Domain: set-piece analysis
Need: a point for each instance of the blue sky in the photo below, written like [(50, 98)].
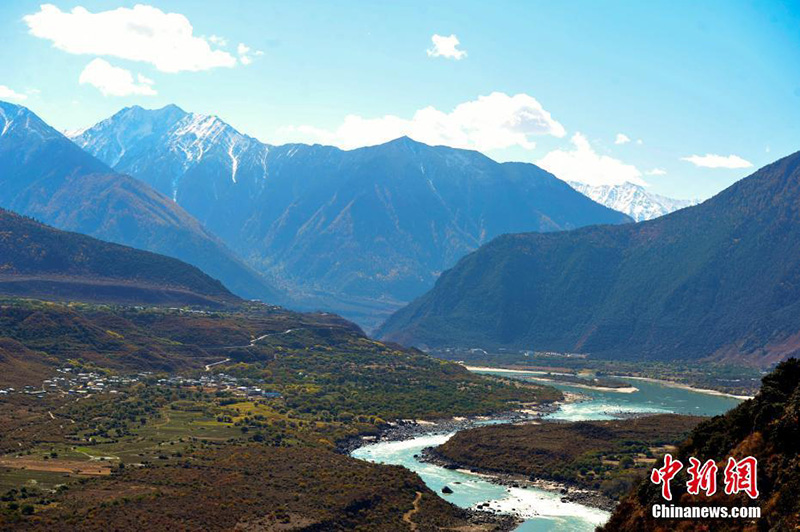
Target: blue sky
[(553, 83)]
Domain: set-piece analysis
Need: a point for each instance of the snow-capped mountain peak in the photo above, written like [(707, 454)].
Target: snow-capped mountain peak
[(144, 142), (194, 134), (633, 200), (20, 120)]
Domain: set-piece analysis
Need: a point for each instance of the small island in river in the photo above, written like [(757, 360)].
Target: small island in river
[(592, 462)]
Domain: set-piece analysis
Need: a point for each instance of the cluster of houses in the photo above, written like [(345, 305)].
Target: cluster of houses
[(454, 352), (75, 381), (80, 382), (219, 381), (554, 354)]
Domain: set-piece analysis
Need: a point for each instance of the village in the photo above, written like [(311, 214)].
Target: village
[(80, 382)]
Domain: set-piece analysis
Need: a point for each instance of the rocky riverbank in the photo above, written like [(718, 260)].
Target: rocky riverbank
[(499, 522), (568, 493), (406, 429), (400, 430), (483, 515)]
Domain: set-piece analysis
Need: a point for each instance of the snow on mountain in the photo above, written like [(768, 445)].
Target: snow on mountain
[(357, 231), (46, 176), (19, 120), (633, 200), (145, 143), (7, 121), (203, 164)]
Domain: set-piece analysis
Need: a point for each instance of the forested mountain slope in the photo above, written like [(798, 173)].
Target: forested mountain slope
[(719, 280)]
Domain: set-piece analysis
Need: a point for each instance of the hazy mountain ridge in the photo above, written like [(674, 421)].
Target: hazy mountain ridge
[(46, 176), (720, 279), (364, 230), (633, 200)]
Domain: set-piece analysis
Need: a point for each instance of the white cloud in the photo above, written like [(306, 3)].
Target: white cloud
[(490, 122), (219, 41), (656, 171), (6, 93), (144, 80), (584, 165), (622, 138), (142, 33), (446, 47), (115, 81), (711, 160), (244, 53)]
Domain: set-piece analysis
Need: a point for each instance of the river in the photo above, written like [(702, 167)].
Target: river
[(543, 510)]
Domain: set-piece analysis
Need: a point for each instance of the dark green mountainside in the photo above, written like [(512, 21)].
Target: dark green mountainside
[(719, 280), (37, 260)]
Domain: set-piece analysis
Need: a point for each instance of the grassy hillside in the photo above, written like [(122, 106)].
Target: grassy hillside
[(320, 364), (252, 488), (204, 420)]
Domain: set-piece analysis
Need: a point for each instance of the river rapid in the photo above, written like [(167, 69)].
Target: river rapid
[(543, 510)]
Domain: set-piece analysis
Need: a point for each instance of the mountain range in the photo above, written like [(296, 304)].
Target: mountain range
[(198, 161), (359, 232), (718, 281), (634, 200), (46, 176)]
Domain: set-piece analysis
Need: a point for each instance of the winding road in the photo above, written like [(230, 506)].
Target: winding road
[(409, 514), (254, 341)]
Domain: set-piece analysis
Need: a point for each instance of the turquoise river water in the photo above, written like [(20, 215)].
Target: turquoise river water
[(543, 510)]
